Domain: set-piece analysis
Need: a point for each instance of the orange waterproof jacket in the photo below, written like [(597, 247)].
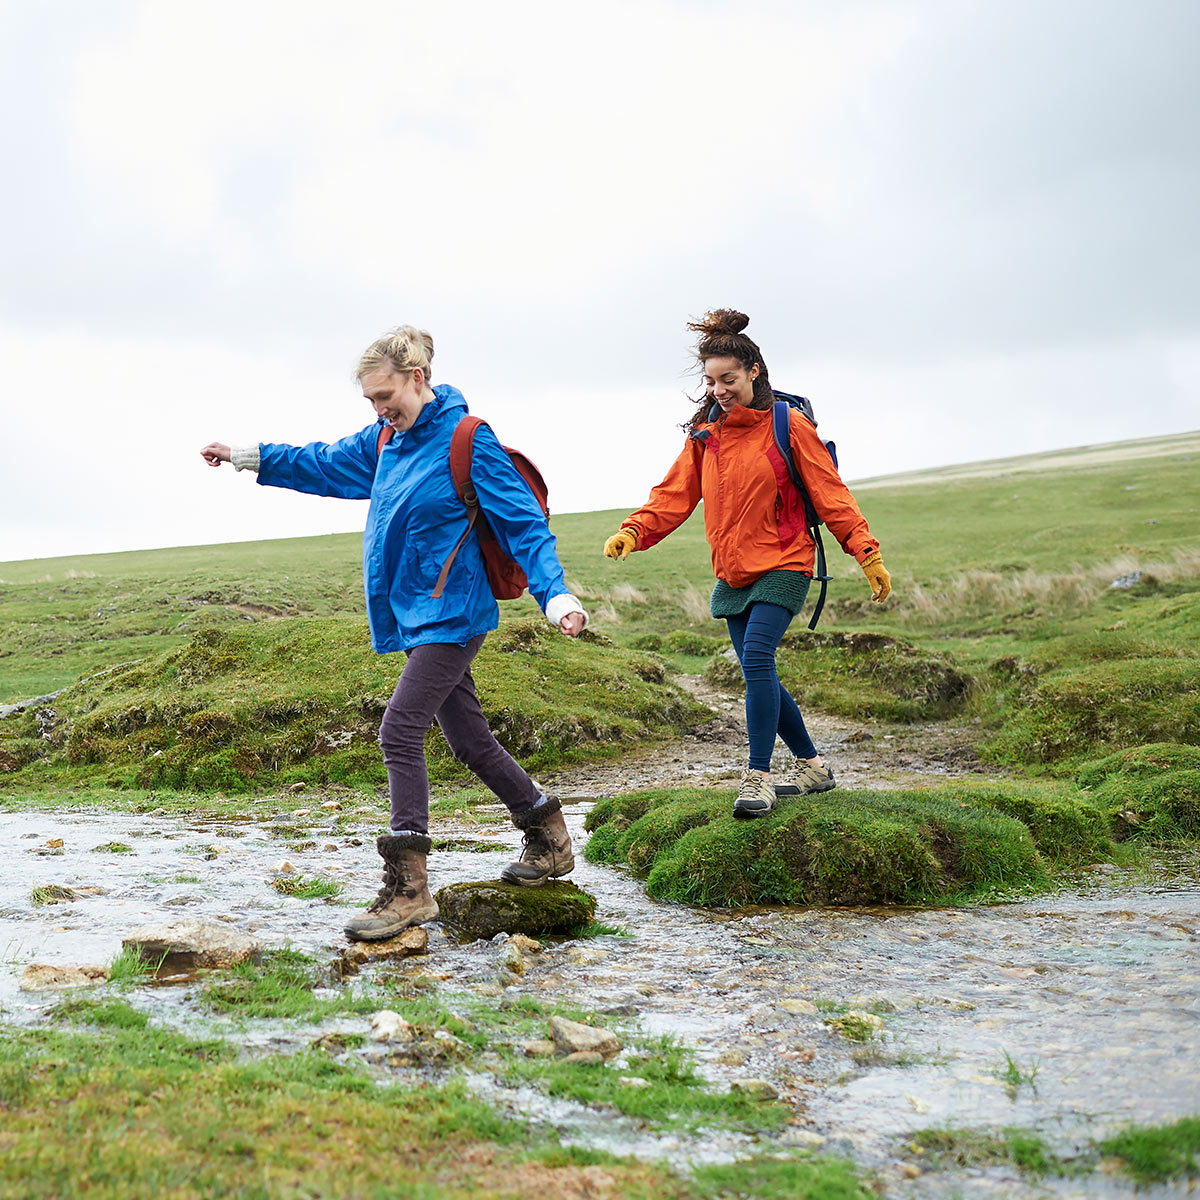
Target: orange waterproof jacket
[(753, 516)]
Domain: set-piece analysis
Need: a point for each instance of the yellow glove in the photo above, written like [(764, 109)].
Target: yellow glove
[(877, 576), (620, 544)]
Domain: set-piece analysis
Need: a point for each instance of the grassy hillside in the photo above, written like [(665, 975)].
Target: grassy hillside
[(1002, 609)]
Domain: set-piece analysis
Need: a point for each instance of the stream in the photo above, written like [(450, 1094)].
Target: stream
[(1091, 996)]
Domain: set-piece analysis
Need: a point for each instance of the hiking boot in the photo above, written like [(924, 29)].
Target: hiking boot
[(404, 899), (547, 852), (756, 797), (806, 779)]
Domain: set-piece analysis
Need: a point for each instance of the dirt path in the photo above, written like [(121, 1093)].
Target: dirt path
[(861, 753)]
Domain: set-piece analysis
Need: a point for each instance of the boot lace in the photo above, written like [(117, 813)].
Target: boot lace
[(395, 879)]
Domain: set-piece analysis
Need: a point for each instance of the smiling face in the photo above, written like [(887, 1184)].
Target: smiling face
[(398, 396), (728, 382)]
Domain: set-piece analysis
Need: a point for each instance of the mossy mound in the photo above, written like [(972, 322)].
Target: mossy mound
[(482, 910), (270, 704), (1071, 714), (1149, 761), (906, 847), (860, 675), (1150, 793)]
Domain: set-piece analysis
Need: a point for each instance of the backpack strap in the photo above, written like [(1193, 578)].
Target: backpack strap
[(462, 447), (781, 428)]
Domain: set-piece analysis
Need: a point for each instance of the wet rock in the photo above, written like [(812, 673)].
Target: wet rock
[(511, 959), (570, 1037), (525, 944), (756, 1089), (389, 1026), (352, 959), (43, 976), (803, 1008), (482, 910), (187, 945)]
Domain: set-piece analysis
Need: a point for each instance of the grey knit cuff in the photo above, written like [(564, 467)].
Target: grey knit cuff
[(244, 458)]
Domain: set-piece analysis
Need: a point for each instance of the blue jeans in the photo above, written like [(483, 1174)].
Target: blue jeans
[(770, 708)]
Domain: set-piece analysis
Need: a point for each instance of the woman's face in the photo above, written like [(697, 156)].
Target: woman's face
[(398, 396), (728, 382)]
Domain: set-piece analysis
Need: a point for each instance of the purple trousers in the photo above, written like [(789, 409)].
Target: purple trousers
[(436, 684)]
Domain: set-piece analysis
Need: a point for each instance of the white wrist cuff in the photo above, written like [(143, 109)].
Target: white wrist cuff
[(244, 458), (563, 605)]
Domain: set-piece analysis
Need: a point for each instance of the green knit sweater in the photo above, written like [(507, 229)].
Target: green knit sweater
[(788, 589)]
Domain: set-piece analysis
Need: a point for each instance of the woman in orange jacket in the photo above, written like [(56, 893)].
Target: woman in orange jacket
[(762, 553)]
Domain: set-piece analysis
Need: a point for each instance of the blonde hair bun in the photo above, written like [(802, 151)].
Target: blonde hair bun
[(402, 349)]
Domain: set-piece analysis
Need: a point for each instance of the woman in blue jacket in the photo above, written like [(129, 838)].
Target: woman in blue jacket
[(414, 521)]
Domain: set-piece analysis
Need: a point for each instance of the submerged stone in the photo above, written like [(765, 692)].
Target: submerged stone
[(189, 945), (482, 910), (44, 976), (352, 959), (572, 1038), (756, 1089)]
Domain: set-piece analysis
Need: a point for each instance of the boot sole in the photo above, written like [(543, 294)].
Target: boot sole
[(418, 918), (747, 814), (791, 789), (505, 877)]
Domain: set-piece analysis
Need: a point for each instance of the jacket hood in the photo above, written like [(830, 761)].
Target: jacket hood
[(446, 399)]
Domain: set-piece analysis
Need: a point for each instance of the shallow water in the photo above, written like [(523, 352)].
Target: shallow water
[(1095, 993)]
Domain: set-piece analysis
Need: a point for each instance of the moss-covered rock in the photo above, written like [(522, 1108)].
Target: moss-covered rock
[(909, 847), (482, 910)]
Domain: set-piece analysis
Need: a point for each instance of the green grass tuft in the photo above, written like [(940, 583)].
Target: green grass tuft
[(300, 888), (1156, 1154)]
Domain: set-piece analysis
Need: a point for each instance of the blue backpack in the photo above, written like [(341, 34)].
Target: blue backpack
[(781, 428)]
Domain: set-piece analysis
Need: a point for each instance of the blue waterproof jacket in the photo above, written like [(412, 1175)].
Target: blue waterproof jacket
[(416, 517)]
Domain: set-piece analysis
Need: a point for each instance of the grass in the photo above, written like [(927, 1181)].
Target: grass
[(955, 843), (300, 888), (1014, 1076), (948, 1147), (1149, 1154), (674, 1096), (299, 703), (282, 985), (142, 1113), (794, 1178), (129, 967), (1157, 1154)]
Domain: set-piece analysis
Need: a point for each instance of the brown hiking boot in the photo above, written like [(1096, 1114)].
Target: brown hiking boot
[(404, 899), (547, 851)]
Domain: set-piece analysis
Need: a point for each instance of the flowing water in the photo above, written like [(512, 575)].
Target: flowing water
[(1074, 1014)]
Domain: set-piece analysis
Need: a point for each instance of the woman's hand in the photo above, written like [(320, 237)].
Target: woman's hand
[(877, 576), (620, 544), (215, 453), (572, 624)]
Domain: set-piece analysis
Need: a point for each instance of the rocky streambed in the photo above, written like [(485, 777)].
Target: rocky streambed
[(1073, 1015)]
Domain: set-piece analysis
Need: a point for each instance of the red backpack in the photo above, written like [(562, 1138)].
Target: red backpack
[(507, 579)]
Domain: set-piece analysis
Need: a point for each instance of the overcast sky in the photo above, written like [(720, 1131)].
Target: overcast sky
[(965, 230)]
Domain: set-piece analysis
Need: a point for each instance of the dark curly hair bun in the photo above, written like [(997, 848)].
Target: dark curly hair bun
[(720, 320)]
